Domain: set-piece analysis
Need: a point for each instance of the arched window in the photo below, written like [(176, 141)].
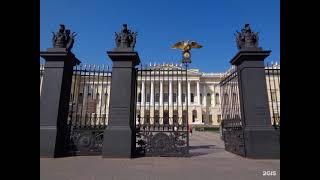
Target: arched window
[(226, 98), (194, 115), (217, 98), (208, 99)]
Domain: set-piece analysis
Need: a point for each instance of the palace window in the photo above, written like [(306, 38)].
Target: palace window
[(174, 97), (165, 97), (208, 99), (200, 98), (192, 97), (157, 97), (194, 115), (139, 97), (219, 118), (217, 98), (148, 98), (183, 98)]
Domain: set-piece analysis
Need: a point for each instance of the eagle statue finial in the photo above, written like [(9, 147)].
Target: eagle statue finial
[(186, 46)]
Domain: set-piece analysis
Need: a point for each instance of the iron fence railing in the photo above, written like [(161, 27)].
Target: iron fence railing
[(230, 104), (273, 88), (161, 112), (88, 109)]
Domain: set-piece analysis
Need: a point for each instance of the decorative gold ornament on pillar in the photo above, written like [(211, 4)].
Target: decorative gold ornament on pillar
[(186, 46)]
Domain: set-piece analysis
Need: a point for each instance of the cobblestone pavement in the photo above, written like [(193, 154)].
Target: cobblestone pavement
[(209, 161)]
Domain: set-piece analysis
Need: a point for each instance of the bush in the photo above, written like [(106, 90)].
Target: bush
[(206, 128)]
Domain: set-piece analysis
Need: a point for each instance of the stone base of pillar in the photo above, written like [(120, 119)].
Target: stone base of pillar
[(262, 143), (48, 134), (120, 143)]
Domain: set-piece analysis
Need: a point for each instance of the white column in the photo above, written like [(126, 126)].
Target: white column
[(198, 92), (161, 93), (189, 94), (179, 102), (151, 94), (204, 95), (142, 93), (179, 93), (170, 93)]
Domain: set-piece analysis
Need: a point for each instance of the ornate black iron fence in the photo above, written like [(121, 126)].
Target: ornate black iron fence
[(88, 112), (161, 113), (232, 129), (273, 87)]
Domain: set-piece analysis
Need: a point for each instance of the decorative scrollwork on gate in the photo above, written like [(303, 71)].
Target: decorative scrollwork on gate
[(152, 143), (87, 141)]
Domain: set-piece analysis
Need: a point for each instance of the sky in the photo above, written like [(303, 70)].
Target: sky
[(160, 24)]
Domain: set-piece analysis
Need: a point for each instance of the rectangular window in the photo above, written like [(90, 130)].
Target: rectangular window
[(174, 98), (219, 118), (148, 98), (192, 97), (157, 97), (165, 97), (183, 98)]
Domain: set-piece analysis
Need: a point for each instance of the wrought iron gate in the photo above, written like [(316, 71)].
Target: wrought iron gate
[(232, 129), (161, 125), (88, 109)]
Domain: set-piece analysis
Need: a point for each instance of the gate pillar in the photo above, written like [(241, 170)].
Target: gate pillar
[(261, 140), (119, 139), (54, 100)]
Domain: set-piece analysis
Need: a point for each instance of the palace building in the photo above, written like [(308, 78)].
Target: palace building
[(162, 96)]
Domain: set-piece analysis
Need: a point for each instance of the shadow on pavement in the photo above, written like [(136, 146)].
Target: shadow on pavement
[(204, 150)]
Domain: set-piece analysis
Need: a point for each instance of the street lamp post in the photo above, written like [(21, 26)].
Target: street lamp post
[(186, 46)]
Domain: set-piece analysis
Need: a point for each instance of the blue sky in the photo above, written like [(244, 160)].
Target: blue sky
[(160, 24)]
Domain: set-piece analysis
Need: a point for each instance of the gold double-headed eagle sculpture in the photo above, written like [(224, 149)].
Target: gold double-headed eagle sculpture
[(186, 46)]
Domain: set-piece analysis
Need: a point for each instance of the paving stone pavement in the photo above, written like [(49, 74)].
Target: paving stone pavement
[(209, 161)]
